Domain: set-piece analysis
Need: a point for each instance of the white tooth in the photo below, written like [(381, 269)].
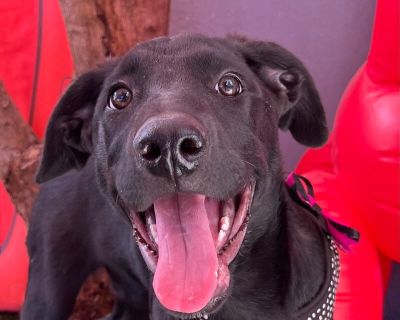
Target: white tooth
[(225, 223), (205, 316), (221, 235)]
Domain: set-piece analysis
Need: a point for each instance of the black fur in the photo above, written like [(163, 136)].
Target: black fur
[(89, 168)]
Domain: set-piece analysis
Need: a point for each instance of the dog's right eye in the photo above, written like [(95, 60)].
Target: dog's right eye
[(120, 98)]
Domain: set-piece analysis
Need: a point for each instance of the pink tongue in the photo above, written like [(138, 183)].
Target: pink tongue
[(185, 279)]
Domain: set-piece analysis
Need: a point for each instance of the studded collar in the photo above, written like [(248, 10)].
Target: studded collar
[(337, 235), (322, 306)]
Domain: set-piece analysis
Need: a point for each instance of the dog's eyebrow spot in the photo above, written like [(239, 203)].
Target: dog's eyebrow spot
[(128, 65)]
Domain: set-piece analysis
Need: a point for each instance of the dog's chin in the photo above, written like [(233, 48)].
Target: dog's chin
[(188, 241)]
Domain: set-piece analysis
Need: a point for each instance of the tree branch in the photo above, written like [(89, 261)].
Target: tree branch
[(19, 154)]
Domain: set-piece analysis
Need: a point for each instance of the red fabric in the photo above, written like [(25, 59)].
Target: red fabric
[(356, 175), (18, 29), (33, 45), (13, 260), (56, 65)]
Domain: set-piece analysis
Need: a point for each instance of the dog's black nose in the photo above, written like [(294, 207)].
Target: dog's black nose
[(170, 145)]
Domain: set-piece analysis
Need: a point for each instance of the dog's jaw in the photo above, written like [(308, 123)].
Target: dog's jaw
[(224, 228)]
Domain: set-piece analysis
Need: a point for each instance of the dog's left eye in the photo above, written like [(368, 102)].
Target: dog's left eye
[(120, 98), (229, 85)]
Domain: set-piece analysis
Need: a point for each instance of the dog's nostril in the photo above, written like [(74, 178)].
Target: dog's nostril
[(190, 146), (150, 152)]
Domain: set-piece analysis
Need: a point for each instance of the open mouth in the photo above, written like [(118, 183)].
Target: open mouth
[(188, 241)]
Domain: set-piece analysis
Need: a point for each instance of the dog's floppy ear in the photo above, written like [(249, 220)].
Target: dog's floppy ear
[(301, 110), (68, 140)]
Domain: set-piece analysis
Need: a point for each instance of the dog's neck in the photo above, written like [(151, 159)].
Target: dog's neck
[(307, 256), (295, 251)]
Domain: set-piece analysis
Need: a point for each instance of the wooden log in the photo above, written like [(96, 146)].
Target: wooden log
[(19, 155)]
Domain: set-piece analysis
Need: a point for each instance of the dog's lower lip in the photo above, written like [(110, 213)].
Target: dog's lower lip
[(213, 305)]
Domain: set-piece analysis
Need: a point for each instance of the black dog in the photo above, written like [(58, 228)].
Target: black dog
[(176, 145)]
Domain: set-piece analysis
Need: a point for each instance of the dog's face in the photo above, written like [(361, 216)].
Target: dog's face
[(184, 131)]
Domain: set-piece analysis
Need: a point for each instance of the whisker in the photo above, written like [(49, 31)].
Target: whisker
[(249, 163)]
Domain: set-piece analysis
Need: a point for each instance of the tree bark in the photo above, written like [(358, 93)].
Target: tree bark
[(98, 29), (19, 155)]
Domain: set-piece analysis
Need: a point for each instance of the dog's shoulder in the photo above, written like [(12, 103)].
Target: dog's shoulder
[(65, 203), (71, 188)]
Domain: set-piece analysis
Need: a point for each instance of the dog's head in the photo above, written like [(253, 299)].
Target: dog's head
[(184, 132)]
